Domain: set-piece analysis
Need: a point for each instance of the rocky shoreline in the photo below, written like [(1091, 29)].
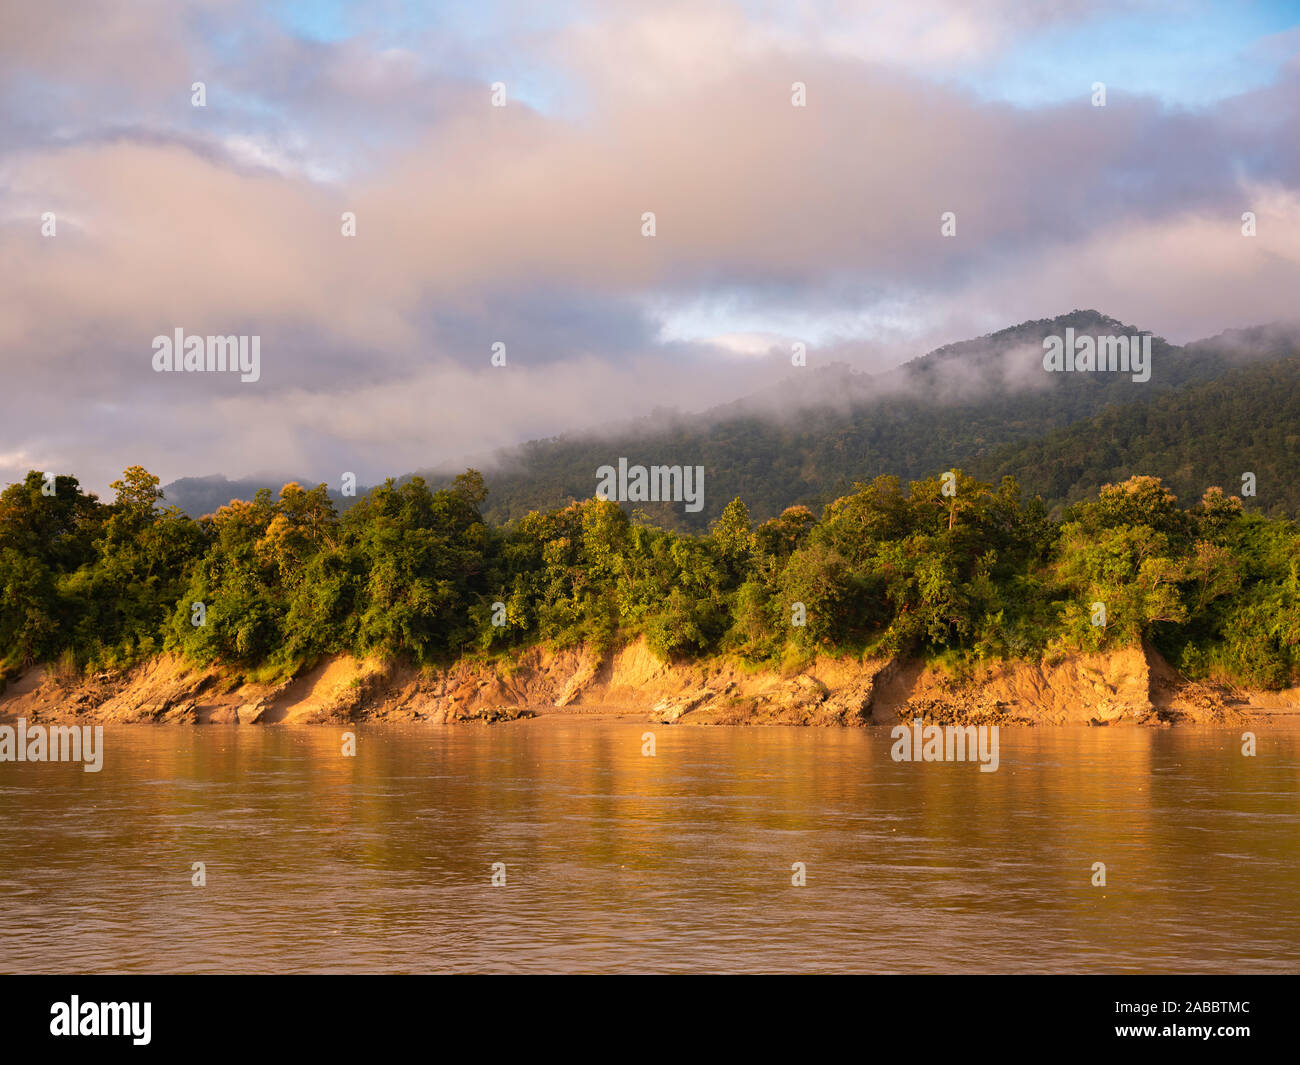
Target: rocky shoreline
[(1129, 687)]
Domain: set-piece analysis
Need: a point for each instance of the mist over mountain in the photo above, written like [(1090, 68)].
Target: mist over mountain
[(951, 408), (970, 404)]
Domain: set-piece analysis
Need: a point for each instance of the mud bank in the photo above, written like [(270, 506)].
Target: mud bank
[(1130, 687)]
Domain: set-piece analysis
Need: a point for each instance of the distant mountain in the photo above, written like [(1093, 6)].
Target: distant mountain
[(985, 405), (810, 441), (1247, 421)]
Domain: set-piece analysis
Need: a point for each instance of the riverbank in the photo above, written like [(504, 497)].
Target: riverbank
[(1134, 686)]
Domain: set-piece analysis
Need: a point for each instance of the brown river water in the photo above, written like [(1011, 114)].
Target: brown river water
[(680, 862)]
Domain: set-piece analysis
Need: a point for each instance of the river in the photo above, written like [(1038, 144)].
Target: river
[(677, 862)]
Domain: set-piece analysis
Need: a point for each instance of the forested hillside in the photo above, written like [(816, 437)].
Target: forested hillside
[(985, 405), (1247, 421), (958, 406)]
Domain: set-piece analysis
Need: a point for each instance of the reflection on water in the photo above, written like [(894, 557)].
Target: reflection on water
[(678, 862)]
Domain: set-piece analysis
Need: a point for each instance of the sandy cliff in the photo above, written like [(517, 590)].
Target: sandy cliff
[(1133, 686)]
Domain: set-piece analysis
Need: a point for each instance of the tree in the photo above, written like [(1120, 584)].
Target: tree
[(731, 536), (138, 491)]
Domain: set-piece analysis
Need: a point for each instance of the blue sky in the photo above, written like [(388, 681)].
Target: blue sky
[(1197, 53), (391, 22), (1187, 53)]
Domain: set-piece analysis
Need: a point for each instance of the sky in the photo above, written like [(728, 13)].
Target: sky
[(522, 225)]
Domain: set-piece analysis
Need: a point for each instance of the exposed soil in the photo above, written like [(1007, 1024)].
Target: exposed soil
[(1130, 687)]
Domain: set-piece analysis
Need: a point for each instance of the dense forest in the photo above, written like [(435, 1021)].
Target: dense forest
[(945, 566), (1245, 422), (972, 405)]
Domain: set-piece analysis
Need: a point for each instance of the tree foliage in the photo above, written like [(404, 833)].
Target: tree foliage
[(946, 564)]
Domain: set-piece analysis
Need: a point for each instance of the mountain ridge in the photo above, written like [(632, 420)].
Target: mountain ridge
[(809, 441)]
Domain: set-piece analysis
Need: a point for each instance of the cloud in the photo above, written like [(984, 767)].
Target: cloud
[(477, 224)]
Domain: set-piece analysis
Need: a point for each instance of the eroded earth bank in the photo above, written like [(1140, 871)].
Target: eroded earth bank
[(1134, 686)]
